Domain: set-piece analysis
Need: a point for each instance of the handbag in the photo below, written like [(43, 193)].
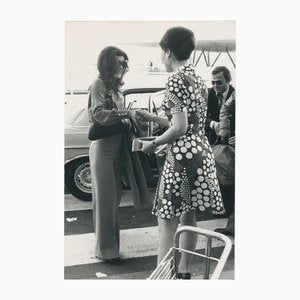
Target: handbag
[(225, 163), (139, 127), (98, 131)]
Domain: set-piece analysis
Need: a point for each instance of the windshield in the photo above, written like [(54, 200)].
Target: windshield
[(82, 118), (79, 118), (74, 105)]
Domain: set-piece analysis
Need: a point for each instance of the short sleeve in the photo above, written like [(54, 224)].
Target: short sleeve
[(176, 95)]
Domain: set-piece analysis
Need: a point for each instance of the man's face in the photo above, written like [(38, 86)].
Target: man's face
[(219, 83)]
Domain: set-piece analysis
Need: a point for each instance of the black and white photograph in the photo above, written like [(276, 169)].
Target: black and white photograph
[(128, 169), (149, 150)]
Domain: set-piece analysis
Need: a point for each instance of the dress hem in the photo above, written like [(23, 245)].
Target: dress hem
[(157, 214)]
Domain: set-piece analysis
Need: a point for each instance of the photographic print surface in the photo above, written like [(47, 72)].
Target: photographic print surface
[(143, 88)]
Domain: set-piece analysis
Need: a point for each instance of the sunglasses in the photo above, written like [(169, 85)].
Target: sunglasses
[(124, 64), (217, 82)]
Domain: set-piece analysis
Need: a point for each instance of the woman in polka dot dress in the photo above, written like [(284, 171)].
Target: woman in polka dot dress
[(188, 180)]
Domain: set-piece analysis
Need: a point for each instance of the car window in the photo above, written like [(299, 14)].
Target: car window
[(140, 100), (156, 101)]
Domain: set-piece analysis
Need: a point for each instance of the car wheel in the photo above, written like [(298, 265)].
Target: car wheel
[(78, 178)]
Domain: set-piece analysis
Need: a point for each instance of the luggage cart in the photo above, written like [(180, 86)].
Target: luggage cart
[(168, 267)]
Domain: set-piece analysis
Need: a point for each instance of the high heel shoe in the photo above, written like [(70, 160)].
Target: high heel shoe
[(183, 276)]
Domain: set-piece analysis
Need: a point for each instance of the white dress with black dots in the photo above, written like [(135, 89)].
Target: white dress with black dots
[(188, 179)]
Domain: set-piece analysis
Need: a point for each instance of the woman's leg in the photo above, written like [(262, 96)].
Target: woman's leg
[(106, 183), (188, 241), (167, 229)]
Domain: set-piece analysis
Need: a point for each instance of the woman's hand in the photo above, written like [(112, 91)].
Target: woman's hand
[(144, 115), (132, 113), (147, 146)]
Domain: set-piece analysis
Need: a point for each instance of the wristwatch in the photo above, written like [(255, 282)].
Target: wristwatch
[(154, 143)]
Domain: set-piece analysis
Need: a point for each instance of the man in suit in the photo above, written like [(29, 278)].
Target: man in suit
[(217, 95)]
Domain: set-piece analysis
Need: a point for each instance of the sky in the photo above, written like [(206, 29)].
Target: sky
[(84, 41)]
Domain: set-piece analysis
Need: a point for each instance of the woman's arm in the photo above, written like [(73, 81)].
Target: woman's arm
[(176, 130), (143, 114), (176, 103), (99, 109), (163, 121)]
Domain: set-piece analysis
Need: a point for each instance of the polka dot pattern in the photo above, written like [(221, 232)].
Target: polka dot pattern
[(188, 179)]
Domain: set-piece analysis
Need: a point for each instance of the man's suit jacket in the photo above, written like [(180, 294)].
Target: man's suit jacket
[(213, 112)]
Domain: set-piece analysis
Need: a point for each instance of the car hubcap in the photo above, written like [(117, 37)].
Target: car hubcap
[(82, 178)]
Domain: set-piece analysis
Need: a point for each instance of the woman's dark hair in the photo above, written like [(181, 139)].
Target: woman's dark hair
[(180, 40), (225, 71), (108, 66)]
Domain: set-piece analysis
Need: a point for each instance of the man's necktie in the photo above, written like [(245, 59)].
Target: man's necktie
[(220, 98)]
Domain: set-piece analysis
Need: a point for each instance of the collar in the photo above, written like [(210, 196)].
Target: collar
[(187, 67)]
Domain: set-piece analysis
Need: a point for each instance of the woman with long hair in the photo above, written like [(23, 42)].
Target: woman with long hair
[(188, 181), (106, 106)]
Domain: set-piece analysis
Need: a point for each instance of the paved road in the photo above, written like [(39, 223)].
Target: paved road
[(138, 246)]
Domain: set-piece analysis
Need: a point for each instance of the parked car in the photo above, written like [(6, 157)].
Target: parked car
[(77, 167)]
